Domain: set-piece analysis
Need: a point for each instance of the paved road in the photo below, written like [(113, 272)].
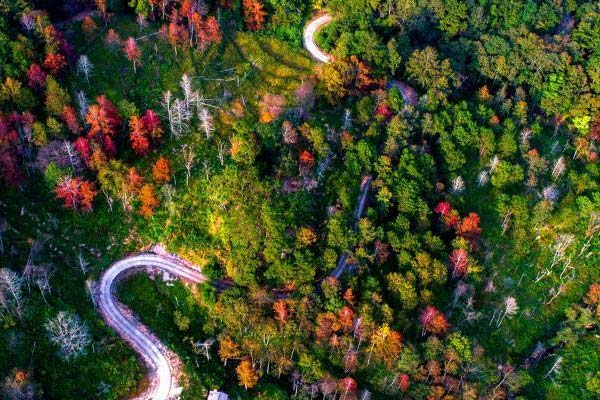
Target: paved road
[(163, 384), (408, 93), (309, 38)]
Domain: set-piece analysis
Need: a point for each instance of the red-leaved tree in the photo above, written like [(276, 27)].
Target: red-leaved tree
[(469, 227), (36, 77), (76, 193), (82, 145), (161, 171), (10, 151), (433, 321), (207, 31), (280, 309), (132, 52), (255, 14), (138, 136), (459, 262), (104, 121), (69, 116), (54, 63), (152, 124)]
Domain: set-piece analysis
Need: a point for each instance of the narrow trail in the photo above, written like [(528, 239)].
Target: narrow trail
[(342, 263)]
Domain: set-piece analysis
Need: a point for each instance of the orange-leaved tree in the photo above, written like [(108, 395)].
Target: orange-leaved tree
[(247, 375), (148, 199), (161, 171), (228, 349), (255, 14)]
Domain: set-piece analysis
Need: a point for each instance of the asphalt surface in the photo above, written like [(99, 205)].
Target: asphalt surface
[(309, 38), (163, 385)]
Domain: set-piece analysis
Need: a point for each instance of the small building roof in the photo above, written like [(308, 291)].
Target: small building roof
[(216, 395)]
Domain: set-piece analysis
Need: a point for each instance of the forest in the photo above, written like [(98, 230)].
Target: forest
[(190, 197)]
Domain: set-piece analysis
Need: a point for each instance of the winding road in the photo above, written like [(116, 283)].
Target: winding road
[(161, 363), (408, 93), (309, 38), (163, 384)]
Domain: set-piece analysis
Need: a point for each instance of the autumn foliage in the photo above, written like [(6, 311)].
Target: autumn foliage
[(132, 52), (104, 121), (459, 262), (433, 321), (247, 375), (10, 152), (255, 14), (36, 77), (148, 200), (207, 30), (54, 63), (69, 117), (306, 236), (280, 309), (144, 130), (161, 171), (469, 227), (88, 25), (271, 107), (76, 193), (228, 349)]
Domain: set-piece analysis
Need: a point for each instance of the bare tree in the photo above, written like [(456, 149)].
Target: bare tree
[(18, 386), (494, 163), (72, 155), (290, 135), (204, 347), (189, 156), (90, 287), (141, 21), (28, 22), (559, 168), (181, 116), (510, 308), (11, 294), (83, 104), (554, 369), (206, 122), (3, 228), (84, 67), (592, 230), (62, 153), (347, 122), (38, 275), (221, 152), (525, 135), (69, 333), (188, 91), (82, 264), (458, 185), (206, 167), (550, 194), (167, 105), (483, 178)]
